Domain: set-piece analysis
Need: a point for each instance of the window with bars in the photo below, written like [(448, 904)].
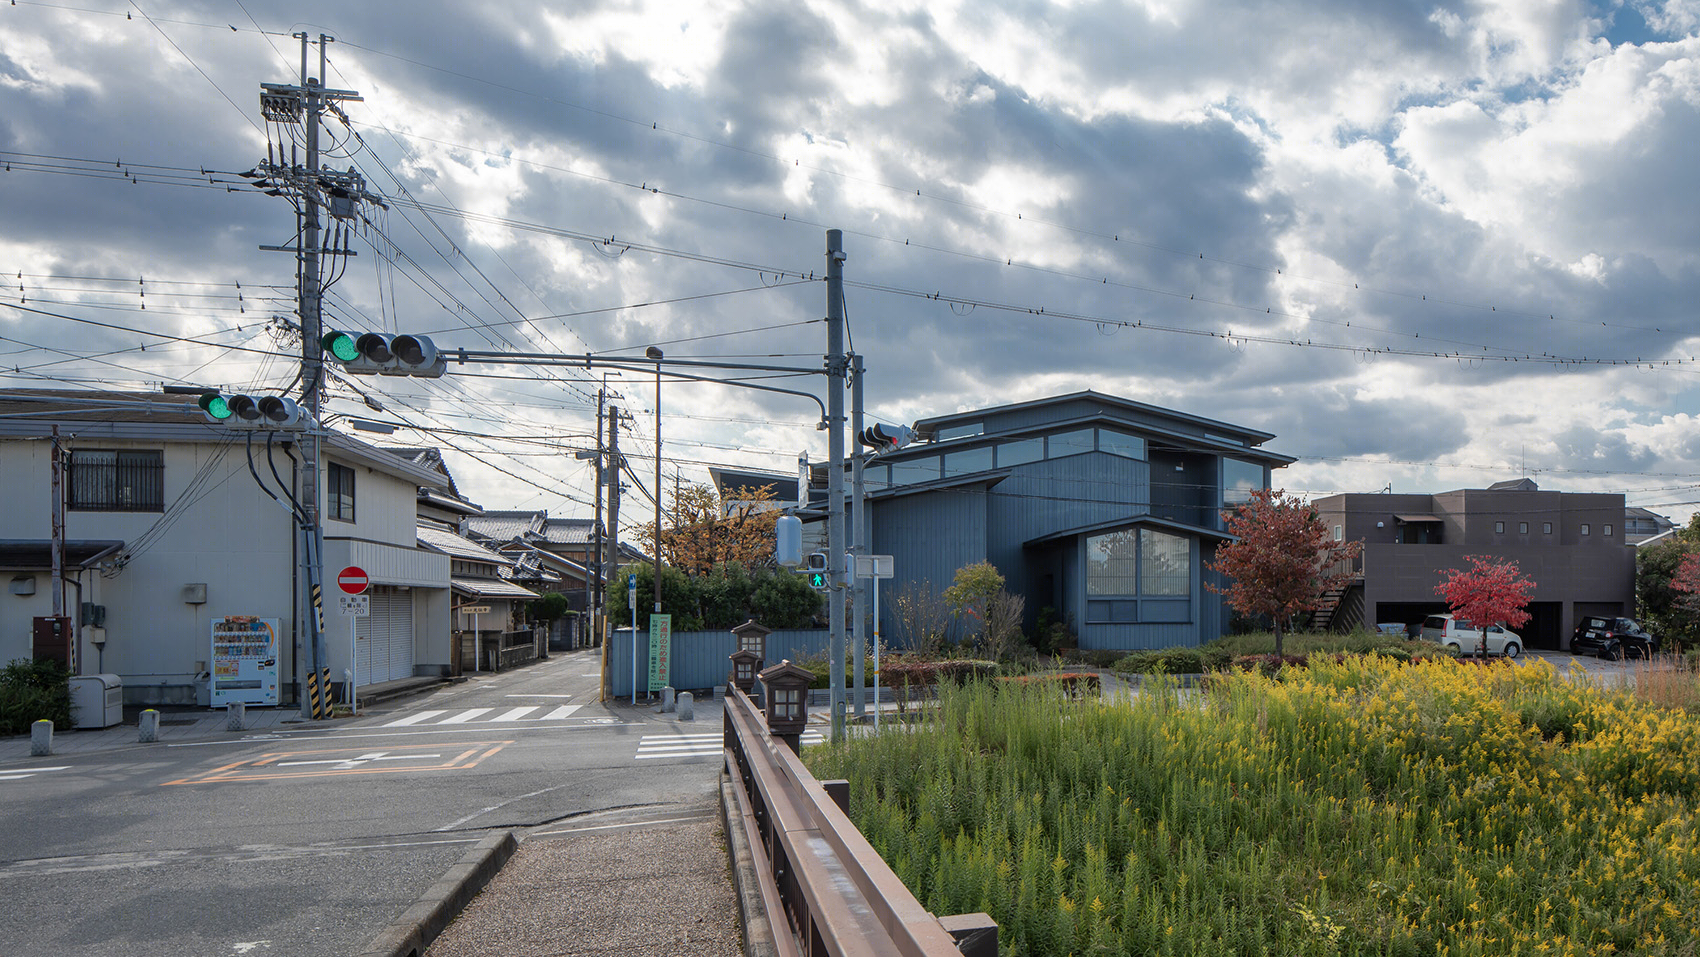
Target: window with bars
[(115, 481), (339, 492)]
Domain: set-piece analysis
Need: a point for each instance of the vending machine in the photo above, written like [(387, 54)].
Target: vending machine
[(244, 660)]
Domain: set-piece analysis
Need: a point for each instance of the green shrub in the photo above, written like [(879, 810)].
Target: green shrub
[(32, 691), (1174, 661), (1270, 665)]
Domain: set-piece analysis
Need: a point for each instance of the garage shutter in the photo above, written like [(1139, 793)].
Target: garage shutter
[(386, 637)]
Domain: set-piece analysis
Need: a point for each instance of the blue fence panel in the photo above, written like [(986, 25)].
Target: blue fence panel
[(702, 659)]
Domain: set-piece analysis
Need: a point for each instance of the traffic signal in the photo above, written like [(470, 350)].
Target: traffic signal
[(887, 438), (264, 412), (378, 353), (816, 570)]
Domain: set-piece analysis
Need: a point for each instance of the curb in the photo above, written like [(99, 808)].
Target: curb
[(437, 907), (752, 915)]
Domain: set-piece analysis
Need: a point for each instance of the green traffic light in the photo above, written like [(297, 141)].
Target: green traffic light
[(340, 345), (216, 406), (817, 580)]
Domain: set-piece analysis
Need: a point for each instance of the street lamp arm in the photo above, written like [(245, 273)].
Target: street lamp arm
[(750, 385)]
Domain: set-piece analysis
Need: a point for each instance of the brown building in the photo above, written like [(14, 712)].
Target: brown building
[(1570, 544)]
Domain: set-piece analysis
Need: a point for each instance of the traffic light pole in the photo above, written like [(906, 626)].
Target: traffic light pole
[(859, 542), (835, 369)]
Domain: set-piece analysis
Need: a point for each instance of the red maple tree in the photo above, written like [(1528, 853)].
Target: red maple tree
[(1687, 580), (1283, 562), (1490, 593)]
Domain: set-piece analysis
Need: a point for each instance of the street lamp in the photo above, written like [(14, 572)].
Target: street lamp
[(656, 354)]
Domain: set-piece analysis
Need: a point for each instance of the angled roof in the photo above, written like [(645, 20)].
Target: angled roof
[(1132, 520), (490, 588), (504, 526), (33, 553), (454, 545), (568, 531), (1254, 436), (159, 417), (1515, 485)]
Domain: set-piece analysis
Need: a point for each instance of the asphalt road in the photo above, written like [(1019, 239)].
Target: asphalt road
[(310, 839)]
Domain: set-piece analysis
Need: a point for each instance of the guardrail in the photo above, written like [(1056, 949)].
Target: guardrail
[(818, 874)]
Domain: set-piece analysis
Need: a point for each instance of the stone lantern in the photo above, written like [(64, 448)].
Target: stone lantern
[(787, 702)]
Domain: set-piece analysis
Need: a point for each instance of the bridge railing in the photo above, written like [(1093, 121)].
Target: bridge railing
[(825, 889)]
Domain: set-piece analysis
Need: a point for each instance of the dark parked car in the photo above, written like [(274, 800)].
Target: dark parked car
[(1613, 638)]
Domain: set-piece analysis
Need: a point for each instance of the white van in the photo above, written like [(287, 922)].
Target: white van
[(1452, 633)]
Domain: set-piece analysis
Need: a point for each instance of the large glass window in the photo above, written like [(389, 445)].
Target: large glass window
[(1020, 452), (1071, 443), (1122, 444), (1165, 563), (112, 481), (1139, 562), (915, 470), (967, 461), (960, 431), (1239, 479), (876, 476)]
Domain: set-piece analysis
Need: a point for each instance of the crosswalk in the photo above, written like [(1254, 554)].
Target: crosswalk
[(661, 746), (519, 715), (18, 774)]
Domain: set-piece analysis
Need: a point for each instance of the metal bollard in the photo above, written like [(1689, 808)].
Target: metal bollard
[(237, 716), (147, 727), (687, 707), (41, 739), (667, 700)]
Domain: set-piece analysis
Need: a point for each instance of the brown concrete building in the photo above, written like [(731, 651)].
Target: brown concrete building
[(1570, 544)]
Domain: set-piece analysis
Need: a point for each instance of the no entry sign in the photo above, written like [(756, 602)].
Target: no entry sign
[(352, 580)]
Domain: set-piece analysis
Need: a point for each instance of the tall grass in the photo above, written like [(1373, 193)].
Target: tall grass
[(1358, 807), (1667, 681)]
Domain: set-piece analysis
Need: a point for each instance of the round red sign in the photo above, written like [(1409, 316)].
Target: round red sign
[(352, 580)]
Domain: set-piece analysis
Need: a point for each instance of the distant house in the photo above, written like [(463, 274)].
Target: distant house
[(1571, 544), (1640, 524), (486, 602), (173, 524), (1102, 509), (732, 484)]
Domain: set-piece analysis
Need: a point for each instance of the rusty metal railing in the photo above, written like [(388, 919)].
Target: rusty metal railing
[(825, 889)]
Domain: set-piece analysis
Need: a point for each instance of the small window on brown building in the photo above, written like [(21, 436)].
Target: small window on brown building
[(1499, 528)]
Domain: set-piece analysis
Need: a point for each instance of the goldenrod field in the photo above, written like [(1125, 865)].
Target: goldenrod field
[(1359, 807)]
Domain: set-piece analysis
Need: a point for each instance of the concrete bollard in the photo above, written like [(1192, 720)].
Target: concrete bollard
[(147, 727), (236, 717), (667, 700), (687, 707), (41, 739)]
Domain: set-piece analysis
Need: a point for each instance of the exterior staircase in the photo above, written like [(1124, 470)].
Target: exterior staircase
[(1342, 609)]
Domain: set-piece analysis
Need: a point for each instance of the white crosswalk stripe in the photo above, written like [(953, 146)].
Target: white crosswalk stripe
[(520, 715), (655, 746)]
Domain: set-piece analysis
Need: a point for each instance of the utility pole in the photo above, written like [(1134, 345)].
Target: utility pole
[(310, 189), (859, 542), (57, 547), (835, 369), (593, 567), (611, 542)]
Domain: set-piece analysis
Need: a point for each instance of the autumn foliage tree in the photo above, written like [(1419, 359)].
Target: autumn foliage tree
[(703, 530), (1490, 592), (1686, 582), (1283, 561)]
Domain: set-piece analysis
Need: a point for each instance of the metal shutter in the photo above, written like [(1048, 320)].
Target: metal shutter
[(386, 637)]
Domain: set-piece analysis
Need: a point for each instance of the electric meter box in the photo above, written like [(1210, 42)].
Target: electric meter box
[(97, 701)]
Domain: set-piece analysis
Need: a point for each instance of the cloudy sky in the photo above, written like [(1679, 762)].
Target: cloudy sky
[(1428, 245)]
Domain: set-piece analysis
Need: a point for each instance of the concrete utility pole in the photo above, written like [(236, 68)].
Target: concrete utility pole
[(57, 545), (611, 542), (835, 369), (311, 189), (593, 566), (859, 542)]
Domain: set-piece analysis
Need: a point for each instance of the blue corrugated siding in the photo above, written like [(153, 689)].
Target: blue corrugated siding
[(929, 537), (1130, 637), (702, 659)]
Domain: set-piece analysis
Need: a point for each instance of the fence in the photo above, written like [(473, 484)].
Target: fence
[(700, 659), (825, 890)]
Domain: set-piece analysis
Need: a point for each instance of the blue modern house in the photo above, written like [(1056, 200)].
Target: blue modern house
[(1100, 508)]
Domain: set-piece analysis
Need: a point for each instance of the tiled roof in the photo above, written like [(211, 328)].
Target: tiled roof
[(490, 588), (452, 544), (504, 526), (568, 531)]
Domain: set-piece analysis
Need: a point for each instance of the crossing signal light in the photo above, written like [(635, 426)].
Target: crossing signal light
[(264, 412), (816, 570), (887, 438), (378, 353)]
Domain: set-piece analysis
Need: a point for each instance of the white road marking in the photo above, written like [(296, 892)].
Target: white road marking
[(516, 713), (593, 674), (18, 774), (415, 718), (560, 712), (457, 823), (654, 746), (466, 715), (348, 764), (537, 696)]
